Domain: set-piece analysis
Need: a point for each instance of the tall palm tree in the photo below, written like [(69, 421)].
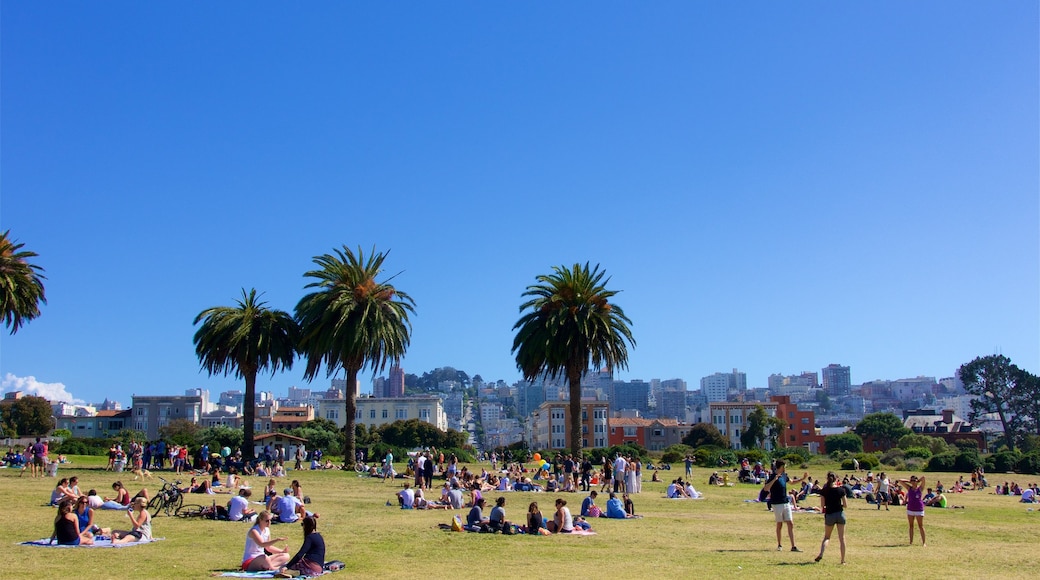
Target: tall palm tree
[(244, 340), (352, 321), (21, 284), (570, 323)]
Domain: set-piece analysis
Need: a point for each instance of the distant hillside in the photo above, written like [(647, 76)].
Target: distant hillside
[(427, 383)]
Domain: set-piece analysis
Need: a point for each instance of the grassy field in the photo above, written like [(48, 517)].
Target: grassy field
[(720, 536)]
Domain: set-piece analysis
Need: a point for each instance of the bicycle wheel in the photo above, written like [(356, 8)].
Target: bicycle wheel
[(173, 504), (156, 504), (359, 468), (190, 510)]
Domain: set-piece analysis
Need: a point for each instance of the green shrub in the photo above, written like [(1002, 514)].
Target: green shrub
[(843, 442), (933, 444), (919, 452), (892, 457), (672, 457), (968, 460), (941, 462), (1029, 463), (868, 460), (966, 445), (1002, 462), (803, 454), (914, 464)]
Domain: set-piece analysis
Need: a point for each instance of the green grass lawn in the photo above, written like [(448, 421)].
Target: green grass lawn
[(720, 536)]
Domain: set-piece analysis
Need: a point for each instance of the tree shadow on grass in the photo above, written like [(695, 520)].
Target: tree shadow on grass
[(809, 563), (741, 551)]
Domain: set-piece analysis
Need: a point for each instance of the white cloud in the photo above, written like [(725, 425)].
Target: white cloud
[(53, 392)]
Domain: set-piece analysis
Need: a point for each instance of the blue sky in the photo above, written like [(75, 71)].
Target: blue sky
[(772, 187)]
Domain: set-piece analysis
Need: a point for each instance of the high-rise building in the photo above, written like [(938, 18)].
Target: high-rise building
[(341, 384), (395, 384), (716, 387), (837, 380), (632, 395)]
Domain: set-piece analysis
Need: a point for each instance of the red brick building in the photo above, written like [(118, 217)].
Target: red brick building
[(801, 426)]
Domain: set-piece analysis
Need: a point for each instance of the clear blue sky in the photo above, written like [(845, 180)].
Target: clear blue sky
[(773, 187)]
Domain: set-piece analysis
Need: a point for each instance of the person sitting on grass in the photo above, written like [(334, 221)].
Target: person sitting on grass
[(85, 515), (141, 528), (562, 522), (475, 520), (406, 497), (310, 558), (66, 528), (630, 508), (535, 521), (238, 507), (261, 553), (288, 508), (615, 508), (589, 503), (122, 498), (497, 521)]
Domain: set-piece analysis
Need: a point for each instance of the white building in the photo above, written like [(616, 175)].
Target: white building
[(731, 418)]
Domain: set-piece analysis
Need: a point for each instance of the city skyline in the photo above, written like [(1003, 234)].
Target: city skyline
[(770, 188)]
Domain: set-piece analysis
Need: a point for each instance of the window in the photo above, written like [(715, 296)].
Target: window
[(658, 432), (790, 414), (584, 415), (424, 414), (400, 413), (805, 420), (598, 428), (386, 413), (372, 414), (333, 414), (630, 431), (585, 429)]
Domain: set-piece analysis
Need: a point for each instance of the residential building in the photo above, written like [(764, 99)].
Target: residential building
[(150, 412), (550, 424), (801, 426), (942, 424), (374, 412), (652, 434), (291, 417), (731, 418), (672, 405)]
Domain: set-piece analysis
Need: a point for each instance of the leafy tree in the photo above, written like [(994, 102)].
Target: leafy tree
[(886, 428), (843, 442), (705, 435), (63, 433), (761, 426), (181, 432), (27, 416), (352, 321), (995, 382), (21, 284), (220, 436), (244, 340), (567, 326), (1027, 401)]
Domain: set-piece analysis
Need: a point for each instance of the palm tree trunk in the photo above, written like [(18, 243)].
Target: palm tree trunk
[(350, 411), (574, 380), (248, 415)]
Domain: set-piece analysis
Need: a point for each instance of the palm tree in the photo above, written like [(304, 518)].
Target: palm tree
[(568, 324), (21, 284), (246, 339), (352, 321)]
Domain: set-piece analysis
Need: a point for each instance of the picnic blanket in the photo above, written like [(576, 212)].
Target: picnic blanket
[(106, 543), (271, 573)]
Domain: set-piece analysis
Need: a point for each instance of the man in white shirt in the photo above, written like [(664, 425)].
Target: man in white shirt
[(238, 507), (882, 493), (406, 497), (619, 473)]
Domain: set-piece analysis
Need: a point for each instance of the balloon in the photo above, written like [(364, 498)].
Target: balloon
[(537, 458)]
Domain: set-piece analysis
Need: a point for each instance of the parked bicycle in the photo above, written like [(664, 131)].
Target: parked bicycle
[(168, 500)]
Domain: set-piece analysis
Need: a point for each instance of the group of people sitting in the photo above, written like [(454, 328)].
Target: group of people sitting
[(679, 489), (1029, 494), (74, 523), (562, 521), (616, 508)]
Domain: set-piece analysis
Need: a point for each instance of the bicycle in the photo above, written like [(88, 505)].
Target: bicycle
[(191, 510), (168, 500)]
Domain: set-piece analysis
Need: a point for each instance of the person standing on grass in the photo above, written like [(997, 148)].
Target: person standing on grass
[(914, 505), (883, 492), (832, 501), (776, 486)]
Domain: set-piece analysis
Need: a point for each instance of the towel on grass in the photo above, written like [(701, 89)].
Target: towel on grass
[(107, 543)]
